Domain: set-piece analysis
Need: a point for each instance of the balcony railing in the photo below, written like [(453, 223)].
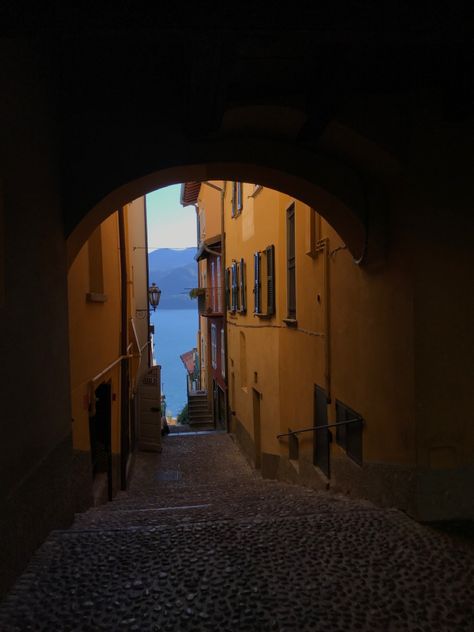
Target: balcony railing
[(209, 302)]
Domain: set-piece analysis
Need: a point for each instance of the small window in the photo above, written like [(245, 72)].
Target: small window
[(96, 268), (257, 284), (227, 289), (349, 435), (237, 198), (222, 353), (219, 285), (234, 306), (243, 287), (270, 255), (214, 346), (313, 232)]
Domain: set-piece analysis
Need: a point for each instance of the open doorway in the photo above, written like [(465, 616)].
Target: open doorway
[(101, 447)]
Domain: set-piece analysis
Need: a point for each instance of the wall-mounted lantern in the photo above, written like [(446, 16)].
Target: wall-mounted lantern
[(154, 295)]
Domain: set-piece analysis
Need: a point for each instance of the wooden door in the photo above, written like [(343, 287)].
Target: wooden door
[(149, 418)]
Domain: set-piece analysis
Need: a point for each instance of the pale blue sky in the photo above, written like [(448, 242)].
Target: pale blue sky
[(170, 225)]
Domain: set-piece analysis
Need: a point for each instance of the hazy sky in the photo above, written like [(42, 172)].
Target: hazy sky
[(170, 225)]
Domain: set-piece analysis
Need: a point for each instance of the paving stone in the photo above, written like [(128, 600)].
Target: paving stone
[(219, 548)]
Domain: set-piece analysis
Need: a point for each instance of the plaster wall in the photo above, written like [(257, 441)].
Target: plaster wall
[(94, 334), (135, 223), (35, 420)]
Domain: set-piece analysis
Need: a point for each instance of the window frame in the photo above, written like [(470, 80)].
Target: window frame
[(214, 345)]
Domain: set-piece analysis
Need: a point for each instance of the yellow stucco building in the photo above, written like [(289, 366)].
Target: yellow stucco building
[(110, 351), (314, 342)]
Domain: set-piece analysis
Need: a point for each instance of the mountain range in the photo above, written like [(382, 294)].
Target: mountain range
[(174, 270)]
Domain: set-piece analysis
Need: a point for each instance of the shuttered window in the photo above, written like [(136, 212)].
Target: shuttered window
[(222, 353), (237, 198), (213, 346), (243, 286), (234, 287), (257, 284), (227, 288), (291, 262), (270, 254)]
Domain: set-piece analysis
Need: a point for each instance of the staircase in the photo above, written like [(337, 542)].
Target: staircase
[(202, 542), (200, 414)]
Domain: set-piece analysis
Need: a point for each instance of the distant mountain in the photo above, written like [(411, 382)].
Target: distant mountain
[(165, 259), (175, 272)]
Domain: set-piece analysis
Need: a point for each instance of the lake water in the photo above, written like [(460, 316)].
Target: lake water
[(175, 333)]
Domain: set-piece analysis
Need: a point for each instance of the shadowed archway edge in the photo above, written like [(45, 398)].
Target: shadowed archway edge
[(329, 186)]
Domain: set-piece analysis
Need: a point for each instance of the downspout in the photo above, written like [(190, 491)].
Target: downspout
[(323, 247), (150, 351), (124, 395), (224, 307)]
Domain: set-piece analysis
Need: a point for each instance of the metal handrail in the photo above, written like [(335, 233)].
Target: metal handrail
[(338, 423)]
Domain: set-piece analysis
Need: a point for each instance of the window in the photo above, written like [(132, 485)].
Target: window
[(237, 198), (227, 289), (270, 255), (234, 303), (257, 284), (267, 282), (222, 353), (96, 268), (349, 436), (219, 286), (212, 304), (243, 287), (313, 232), (214, 346), (291, 262), (236, 287)]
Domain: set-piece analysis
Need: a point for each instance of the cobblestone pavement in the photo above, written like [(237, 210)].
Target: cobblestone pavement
[(201, 542)]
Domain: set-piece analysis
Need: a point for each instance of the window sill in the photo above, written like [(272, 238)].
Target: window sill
[(264, 316), (96, 297), (290, 322)]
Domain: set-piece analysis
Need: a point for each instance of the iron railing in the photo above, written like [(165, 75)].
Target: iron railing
[(313, 428)]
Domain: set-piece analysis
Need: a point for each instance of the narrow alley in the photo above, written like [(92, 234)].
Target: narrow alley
[(202, 542)]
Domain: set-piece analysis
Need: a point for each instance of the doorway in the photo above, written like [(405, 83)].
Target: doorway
[(321, 435), (100, 425), (257, 431)]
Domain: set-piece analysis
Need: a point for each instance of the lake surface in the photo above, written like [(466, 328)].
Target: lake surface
[(175, 333)]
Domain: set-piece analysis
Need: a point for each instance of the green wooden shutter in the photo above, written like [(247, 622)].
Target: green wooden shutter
[(235, 288), (227, 289), (240, 202), (256, 286), (243, 287), (270, 253)]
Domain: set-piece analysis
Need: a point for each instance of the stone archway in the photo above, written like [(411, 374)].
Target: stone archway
[(337, 191)]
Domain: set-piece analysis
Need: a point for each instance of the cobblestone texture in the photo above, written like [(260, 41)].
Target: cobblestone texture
[(201, 542)]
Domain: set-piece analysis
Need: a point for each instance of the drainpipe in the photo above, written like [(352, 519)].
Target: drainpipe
[(323, 247), (224, 310), (124, 374), (150, 350)]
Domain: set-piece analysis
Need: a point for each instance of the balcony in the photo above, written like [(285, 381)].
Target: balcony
[(208, 302)]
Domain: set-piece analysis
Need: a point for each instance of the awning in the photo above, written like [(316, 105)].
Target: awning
[(188, 359), (211, 246), (190, 193)]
